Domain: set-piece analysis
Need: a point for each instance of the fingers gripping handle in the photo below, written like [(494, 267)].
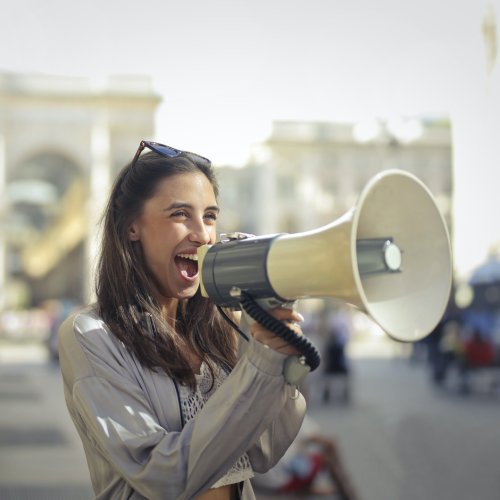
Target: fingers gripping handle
[(302, 364)]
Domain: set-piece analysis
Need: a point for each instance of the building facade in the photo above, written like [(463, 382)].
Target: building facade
[(308, 174), (62, 141)]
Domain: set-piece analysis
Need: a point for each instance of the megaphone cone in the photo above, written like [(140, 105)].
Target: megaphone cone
[(389, 256), (395, 207)]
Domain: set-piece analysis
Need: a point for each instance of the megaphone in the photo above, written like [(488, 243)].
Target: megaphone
[(389, 256)]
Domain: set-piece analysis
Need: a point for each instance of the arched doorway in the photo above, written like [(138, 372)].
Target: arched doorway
[(46, 218)]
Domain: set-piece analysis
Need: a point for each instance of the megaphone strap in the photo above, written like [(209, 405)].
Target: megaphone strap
[(232, 323)]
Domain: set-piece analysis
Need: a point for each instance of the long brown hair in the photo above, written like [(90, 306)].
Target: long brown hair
[(126, 292)]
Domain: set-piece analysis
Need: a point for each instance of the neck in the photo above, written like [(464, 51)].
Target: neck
[(169, 310)]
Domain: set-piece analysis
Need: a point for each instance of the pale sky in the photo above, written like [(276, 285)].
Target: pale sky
[(226, 68)]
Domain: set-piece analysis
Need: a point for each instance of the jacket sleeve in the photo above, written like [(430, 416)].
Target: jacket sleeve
[(113, 410), (252, 407), (277, 438)]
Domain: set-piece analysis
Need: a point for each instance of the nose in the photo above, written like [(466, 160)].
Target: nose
[(200, 233)]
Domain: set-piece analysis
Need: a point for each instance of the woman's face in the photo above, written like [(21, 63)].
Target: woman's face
[(178, 219)]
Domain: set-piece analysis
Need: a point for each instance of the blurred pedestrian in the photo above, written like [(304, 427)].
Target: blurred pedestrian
[(336, 371), (478, 353), (448, 350), (166, 404), (57, 310)]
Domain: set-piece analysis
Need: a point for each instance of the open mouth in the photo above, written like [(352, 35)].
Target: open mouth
[(187, 264)]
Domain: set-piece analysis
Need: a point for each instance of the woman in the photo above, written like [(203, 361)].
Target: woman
[(166, 403)]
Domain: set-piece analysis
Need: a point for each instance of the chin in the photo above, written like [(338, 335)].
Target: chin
[(188, 292), (178, 293)]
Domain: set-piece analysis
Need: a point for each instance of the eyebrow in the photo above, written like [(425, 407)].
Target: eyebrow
[(180, 204)]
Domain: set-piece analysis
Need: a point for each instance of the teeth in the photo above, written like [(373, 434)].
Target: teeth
[(190, 256)]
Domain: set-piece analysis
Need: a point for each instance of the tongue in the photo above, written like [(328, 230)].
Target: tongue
[(188, 268)]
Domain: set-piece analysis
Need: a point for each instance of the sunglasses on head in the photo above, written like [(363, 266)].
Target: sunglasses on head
[(168, 151)]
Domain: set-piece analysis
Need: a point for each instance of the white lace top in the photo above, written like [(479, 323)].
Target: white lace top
[(192, 402)]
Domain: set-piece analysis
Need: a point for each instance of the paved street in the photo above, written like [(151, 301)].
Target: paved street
[(40, 454), (405, 440), (401, 438)]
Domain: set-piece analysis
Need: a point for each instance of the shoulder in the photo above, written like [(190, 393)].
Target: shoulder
[(82, 322), (85, 329), (87, 347)]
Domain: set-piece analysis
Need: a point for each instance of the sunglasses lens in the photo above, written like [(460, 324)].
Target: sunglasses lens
[(165, 150), (170, 152), (197, 158)]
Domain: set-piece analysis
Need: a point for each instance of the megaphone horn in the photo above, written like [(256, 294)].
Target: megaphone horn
[(389, 256)]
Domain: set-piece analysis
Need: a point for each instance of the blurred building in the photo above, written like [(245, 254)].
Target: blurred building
[(475, 106), (308, 174), (62, 140)]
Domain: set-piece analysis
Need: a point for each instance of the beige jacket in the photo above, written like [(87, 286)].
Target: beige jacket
[(129, 420)]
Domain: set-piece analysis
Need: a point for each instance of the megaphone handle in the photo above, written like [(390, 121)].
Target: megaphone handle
[(304, 345)]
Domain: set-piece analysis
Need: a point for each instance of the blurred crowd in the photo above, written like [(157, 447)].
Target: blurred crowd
[(38, 324), (464, 350)]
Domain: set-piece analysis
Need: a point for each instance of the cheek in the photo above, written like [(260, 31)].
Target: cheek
[(156, 248)]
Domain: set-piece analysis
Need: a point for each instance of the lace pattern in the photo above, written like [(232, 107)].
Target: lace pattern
[(191, 404)]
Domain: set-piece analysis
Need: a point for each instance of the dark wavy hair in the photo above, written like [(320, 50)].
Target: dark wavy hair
[(126, 291)]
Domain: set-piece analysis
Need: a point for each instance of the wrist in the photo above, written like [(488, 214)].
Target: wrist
[(295, 369)]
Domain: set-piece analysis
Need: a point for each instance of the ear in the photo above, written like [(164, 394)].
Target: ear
[(133, 232)]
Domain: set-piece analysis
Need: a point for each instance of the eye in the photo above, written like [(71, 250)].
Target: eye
[(179, 213), (211, 216)]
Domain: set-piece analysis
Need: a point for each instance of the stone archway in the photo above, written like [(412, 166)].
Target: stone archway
[(47, 195), (61, 142)]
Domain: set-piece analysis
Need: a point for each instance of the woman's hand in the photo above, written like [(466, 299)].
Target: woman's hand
[(288, 316)]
